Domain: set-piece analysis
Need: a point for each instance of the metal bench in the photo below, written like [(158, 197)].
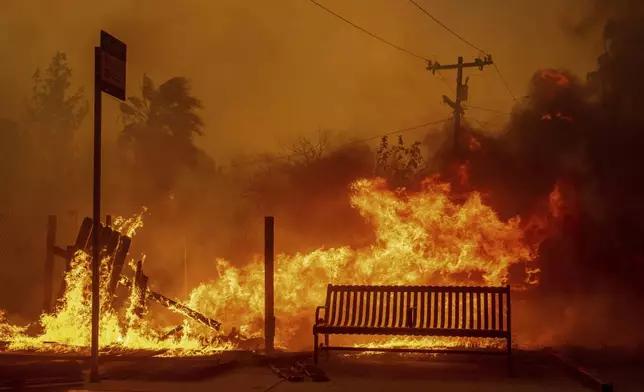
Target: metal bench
[(476, 312)]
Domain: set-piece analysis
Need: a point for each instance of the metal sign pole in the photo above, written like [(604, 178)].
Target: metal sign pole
[(96, 214), (109, 76)]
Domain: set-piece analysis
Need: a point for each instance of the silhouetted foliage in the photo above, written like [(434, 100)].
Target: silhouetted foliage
[(159, 127), (402, 166), (53, 116), (14, 152)]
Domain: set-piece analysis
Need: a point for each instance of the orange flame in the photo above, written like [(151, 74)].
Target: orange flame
[(555, 202), (421, 238), (559, 115), (558, 77), (474, 145)]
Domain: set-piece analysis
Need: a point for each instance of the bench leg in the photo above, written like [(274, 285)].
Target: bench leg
[(326, 345), (510, 364), (315, 348)]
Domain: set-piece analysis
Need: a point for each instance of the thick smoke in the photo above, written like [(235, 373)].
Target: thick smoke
[(584, 134), (267, 72)]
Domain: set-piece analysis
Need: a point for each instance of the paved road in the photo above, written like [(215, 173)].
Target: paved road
[(376, 375)]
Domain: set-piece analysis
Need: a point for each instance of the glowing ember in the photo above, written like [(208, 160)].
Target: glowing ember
[(559, 78), (464, 173), (474, 145), (555, 202), (559, 115)]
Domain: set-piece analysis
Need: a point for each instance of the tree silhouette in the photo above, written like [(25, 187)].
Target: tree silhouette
[(14, 151), (402, 166), (52, 118), (158, 128)]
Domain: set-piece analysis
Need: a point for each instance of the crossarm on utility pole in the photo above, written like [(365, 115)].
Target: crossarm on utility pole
[(478, 63)]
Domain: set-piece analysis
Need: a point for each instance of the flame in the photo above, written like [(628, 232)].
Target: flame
[(475, 144), (556, 202), (69, 326), (558, 77), (559, 115), (464, 173), (422, 237)]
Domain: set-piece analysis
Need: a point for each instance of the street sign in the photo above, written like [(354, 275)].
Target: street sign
[(112, 67)]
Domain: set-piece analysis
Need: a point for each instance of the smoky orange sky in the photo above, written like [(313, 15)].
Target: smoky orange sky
[(268, 70)]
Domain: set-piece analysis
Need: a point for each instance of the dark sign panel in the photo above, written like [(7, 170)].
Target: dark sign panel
[(113, 60)]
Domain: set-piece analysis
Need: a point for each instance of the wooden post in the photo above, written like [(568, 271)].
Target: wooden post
[(108, 220), (138, 277), (48, 285), (269, 293), (186, 291)]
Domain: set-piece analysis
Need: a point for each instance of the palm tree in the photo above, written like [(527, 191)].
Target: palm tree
[(159, 127)]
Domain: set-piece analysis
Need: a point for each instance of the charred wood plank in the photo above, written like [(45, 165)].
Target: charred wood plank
[(143, 286), (118, 261), (182, 309), (62, 253), (84, 232), (177, 307), (173, 332)]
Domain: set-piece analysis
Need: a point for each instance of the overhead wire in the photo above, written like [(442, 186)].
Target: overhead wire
[(486, 110), (400, 48), (443, 25), (370, 33), (432, 17), (287, 156)]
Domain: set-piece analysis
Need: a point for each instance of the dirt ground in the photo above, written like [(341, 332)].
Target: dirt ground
[(379, 374)]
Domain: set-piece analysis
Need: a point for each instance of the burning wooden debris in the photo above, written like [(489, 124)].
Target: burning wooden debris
[(115, 246)]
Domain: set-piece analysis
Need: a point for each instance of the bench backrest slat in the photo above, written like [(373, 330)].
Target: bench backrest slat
[(425, 307), (330, 317)]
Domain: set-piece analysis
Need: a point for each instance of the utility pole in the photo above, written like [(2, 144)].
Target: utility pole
[(461, 92)]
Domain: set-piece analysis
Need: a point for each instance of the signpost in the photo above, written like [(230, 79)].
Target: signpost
[(109, 76)]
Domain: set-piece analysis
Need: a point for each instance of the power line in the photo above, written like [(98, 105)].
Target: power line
[(449, 86), (514, 98), (487, 110), (432, 17), (475, 120), (279, 157), (369, 33), (447, 28)]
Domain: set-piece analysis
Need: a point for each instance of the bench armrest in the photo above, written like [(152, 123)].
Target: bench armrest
[(317, 313)]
